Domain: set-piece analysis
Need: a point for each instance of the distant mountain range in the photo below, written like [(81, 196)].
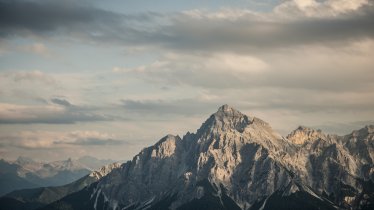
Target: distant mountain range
[(29, 199), (26, 173), (234, 162)]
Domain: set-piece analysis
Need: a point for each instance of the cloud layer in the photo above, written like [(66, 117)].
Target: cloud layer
[(48, 139), (299, 22), (23, 17), (62, 113), (148, 73)]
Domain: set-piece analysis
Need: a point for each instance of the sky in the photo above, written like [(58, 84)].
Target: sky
[(108, 78)]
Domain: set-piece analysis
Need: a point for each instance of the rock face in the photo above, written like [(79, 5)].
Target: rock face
[(235, 161), (303, 134), (103, 171)]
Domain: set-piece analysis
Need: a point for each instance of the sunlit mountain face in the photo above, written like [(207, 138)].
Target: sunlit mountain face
[(88, 83)]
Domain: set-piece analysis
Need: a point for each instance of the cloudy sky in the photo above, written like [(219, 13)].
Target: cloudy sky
[(107, 78)]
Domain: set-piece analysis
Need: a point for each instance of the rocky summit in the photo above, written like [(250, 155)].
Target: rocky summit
[(235, 161)]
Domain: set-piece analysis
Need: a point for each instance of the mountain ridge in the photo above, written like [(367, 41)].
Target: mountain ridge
[(239, 158), (24, 172), (38, 197), (235, 161)]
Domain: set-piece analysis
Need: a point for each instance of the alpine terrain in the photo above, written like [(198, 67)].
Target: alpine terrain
[(25, 172), (38, 197), (235, 161)]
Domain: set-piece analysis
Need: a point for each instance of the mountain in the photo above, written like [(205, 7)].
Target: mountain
[(38, 197), (9, 179), (26, 173), (338, 166), (235, 161), (294, 196)]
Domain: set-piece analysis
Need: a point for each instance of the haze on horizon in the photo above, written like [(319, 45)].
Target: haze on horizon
[(107, 78)]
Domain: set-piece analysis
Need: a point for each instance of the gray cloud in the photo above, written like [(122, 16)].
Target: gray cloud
[(343, 128), (167, 108), (68, 118), (17, 17), (287, 68), (92, 142), (53, 139), (258, 100), (247, 32), (62, 102), (32, 76), (79, 20), (60, 112), (345, 68)]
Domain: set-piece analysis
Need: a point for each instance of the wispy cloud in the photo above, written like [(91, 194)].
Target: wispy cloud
[(89, 138), (251, 32), (33, 76), (314, 8), (343, 127), (53, 139), (37, 48), (314, 68), (61, 112), (60, 101), (36, 97), (167, 108), (93, 141)]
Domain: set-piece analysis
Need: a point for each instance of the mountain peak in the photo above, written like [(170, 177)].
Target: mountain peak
[(227, 110), (104, 170), (166, 146), (368, 129), (224, 119), (303, 134), (169, 137)]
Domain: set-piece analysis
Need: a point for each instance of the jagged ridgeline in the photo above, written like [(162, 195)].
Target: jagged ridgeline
[(235, 161), (29, 199)]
